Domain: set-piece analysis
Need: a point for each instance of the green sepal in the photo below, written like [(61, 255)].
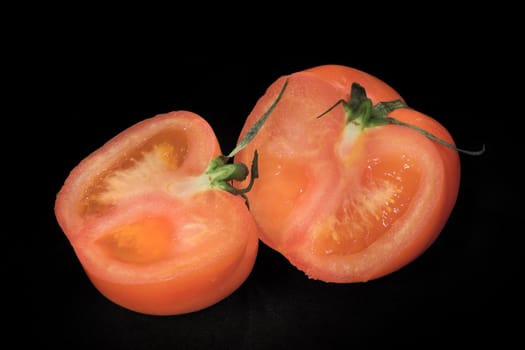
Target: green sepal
[(359, 110), (222, 173)]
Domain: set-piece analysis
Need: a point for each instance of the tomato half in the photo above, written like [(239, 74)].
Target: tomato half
[(151, 232), (343, 202)]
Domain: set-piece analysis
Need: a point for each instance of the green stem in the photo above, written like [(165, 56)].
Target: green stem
[(221, 172), (360, 111)]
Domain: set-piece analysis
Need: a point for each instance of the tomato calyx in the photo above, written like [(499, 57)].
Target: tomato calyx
[(221, 172), (361, 113)]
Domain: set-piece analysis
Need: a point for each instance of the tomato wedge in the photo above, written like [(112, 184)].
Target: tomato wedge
[(347, 192), (149, 227)]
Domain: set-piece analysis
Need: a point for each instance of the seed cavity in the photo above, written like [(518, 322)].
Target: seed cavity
[(144, 169)]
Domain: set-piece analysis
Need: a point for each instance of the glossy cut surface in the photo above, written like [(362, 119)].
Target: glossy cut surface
[(345, 204), (148, 229)]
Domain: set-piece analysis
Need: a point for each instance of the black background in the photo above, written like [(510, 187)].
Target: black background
[(82, 98)]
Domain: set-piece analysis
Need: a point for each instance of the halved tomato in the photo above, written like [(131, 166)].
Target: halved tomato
[(346, 191), (150, 223)]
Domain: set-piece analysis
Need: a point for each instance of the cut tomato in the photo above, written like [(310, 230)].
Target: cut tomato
[(149, 227), (346, 193)]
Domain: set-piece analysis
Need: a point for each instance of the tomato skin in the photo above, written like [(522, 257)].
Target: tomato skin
[(342, 77), (341, 204), (148, 230)]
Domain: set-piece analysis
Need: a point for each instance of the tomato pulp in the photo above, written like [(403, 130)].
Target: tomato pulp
[(344, 201), (149, 229)]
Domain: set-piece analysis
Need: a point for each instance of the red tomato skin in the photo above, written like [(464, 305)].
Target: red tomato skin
[(294, 237), (222, 252), (342, 78)]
